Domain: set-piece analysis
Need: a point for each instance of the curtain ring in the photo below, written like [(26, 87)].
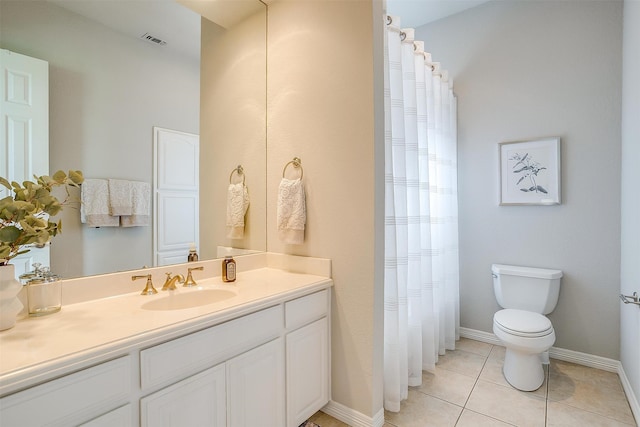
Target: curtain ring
[(389, 20), (403, 35)]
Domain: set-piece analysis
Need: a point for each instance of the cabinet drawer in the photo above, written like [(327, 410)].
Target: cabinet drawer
[(193, 353), (120, 417), (72, 399), (303, 310)]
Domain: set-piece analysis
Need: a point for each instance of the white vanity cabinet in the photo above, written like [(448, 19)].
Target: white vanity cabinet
[(307, 356), (249, 388), (268, 365), (247, 382), (85, 396), (255, 387), (199, 400)]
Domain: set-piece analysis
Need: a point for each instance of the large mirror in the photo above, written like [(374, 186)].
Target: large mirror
[(111, 83)]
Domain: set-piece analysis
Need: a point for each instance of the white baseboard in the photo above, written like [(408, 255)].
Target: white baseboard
[(353, 417), (576, 357), (631, 396), (481, 336)]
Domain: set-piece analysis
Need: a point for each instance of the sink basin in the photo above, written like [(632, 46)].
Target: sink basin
[(180, 301)]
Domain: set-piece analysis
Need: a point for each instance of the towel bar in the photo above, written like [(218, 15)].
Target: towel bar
[(297, 163)]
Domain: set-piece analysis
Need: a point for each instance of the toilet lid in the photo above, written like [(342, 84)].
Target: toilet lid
[(523, 323)]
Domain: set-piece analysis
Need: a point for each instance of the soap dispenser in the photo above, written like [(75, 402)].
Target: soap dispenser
[(193, 255)]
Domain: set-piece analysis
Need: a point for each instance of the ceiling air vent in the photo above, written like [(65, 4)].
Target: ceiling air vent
[(152, 39)]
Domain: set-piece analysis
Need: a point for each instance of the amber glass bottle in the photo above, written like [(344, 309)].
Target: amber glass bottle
[(228, 269)]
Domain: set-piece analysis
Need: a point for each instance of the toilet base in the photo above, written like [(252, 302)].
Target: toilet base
[(523, 370)]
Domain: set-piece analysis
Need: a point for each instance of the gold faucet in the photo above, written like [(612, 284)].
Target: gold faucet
[(170, 282), (148, 289), (190, 281)]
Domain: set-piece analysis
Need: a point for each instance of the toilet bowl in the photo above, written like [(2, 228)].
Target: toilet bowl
[(526, 295), (526, 336)]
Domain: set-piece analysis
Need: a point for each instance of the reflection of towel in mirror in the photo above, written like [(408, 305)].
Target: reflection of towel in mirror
[(94, 209), (119, 197), (291, 212), (140, 206), (237, 205)]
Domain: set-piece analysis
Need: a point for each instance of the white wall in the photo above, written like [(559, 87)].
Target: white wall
[(321, 91), (528, 70), (630, 316), (107, 91)]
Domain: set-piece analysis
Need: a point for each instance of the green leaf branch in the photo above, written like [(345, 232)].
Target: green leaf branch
[(25, 212)]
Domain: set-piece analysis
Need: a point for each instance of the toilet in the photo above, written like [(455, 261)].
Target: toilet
[(526, 294)]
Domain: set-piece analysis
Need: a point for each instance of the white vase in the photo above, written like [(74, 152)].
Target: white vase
[(10, 305)]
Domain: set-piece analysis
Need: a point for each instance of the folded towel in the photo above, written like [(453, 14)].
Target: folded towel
[(291, 212), (94, 209), (237, 205), (140, 206), (119, 197)]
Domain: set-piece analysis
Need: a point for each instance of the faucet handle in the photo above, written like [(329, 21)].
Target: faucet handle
[(148, 289), (170, 282), (190, 281), (167, 282)]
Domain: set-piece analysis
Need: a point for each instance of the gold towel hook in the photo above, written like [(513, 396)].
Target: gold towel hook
[(240, 171), (297, 163)]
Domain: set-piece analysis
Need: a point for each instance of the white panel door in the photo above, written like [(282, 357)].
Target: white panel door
[(255, 387), (24, 130), (176, 196)]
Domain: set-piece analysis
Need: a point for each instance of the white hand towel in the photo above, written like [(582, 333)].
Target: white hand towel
[(119, 197), (140, 206), (291, 212), (94, 209), (237, 205)]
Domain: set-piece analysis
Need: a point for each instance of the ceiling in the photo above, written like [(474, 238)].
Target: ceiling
[(167, 20), (180, 27), (414, 13), (163, 19)]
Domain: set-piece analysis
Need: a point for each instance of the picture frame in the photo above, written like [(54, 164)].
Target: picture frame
[(530, 172)]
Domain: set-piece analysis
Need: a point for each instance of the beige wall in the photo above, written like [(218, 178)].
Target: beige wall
[(321, 90), (529, 70), (232, 130), (107, 91)]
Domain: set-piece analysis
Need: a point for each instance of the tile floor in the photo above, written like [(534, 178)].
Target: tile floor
[(468, 390)]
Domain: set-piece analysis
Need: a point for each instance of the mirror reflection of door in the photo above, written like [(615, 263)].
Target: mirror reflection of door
[(24, 131), (175, 185)]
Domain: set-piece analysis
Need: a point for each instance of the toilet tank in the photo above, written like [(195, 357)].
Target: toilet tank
[(526, 288)]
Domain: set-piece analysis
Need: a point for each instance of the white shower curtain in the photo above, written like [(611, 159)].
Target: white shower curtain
[(421, 316)]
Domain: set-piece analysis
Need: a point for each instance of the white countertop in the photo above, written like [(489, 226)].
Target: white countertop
[(81, 334)]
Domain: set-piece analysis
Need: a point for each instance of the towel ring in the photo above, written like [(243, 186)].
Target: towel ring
[(240, 171), (296, 162)]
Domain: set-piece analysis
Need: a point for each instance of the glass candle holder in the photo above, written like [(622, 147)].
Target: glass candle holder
[(45, 296)]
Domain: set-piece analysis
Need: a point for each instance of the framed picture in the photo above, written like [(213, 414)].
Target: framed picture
[(530, 172)]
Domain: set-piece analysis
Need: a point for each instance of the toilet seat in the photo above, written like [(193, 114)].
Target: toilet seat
[(522, 323)]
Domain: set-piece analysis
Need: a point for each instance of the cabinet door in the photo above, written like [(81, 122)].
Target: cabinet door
[(195, 401), (307, 371), (255, 386)]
